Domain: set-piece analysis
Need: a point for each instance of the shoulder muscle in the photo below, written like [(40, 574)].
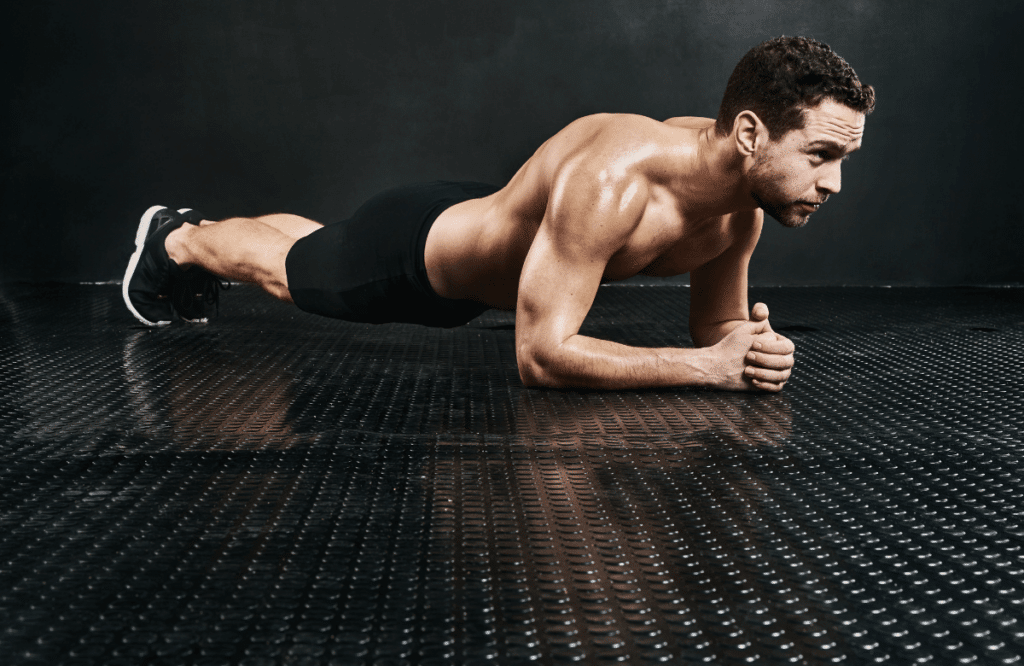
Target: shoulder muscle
[(595, 207)]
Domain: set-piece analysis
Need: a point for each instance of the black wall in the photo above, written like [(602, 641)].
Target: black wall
[(310, 106)]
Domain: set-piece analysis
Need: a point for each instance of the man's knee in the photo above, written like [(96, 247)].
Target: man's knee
[(279, 290), (275, 280)]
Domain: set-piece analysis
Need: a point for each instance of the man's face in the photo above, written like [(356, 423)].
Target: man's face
[(794, 175)]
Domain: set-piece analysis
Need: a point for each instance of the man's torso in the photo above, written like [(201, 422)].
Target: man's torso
[(476, 249)]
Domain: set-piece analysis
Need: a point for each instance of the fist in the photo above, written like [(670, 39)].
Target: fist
[(769, 362)]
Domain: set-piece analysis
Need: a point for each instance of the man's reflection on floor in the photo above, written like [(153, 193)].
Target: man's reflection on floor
[(208, 388), (598, 523), (202, 393)]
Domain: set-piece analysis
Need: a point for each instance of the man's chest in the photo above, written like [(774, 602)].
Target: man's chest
[(670, 246)]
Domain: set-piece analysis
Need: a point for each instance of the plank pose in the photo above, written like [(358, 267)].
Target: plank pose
[(608, 197)]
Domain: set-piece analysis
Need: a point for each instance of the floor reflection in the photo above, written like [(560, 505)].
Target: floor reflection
[(196, 388), (205, 393), (597, 523)]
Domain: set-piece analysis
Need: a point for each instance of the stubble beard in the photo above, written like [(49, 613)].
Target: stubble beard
[(766, 191)]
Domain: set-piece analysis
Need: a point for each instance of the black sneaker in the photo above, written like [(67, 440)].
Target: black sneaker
[(192, 296), (151, 275)]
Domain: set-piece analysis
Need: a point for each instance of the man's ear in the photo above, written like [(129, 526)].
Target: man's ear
[(749, 133)]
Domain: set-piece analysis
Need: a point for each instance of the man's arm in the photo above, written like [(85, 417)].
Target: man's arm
[(718, 289), (718, 306), (588, 219)]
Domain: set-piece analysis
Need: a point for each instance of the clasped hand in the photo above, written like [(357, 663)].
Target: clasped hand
[(756, 357)]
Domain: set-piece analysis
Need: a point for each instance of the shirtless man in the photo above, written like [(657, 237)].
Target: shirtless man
[(608, 197)]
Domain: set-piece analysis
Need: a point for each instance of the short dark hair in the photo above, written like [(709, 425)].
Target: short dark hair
[(781, 77)]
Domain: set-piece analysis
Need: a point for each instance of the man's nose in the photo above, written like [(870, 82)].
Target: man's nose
[(831, 179)]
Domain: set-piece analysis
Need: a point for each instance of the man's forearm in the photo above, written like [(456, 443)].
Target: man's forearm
[(585, 362)]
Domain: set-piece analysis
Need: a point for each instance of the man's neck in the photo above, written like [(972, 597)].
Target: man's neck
[(711, 183)]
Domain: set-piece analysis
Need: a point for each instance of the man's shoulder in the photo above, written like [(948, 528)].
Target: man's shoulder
[(690, 122), (630, 126), (620, 145)]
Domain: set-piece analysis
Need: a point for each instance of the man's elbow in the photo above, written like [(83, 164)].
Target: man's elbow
[(535, 371), (702, 336), (709, 335)]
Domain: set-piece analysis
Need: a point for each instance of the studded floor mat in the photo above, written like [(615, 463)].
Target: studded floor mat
[(275, 488)]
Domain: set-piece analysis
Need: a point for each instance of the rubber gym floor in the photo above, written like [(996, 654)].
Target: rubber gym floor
[(276, 488)]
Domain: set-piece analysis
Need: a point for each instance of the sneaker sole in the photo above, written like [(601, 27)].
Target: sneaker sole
[(140, 240)]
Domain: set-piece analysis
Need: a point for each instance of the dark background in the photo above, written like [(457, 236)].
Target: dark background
[(248, 107)]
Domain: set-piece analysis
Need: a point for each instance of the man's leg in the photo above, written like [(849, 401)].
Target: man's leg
[(293, 226), (243, 249)]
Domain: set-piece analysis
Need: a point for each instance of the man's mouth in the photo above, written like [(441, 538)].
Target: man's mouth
[(812, 206)]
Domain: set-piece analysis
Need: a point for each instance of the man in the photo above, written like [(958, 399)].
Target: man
[(608, 197)]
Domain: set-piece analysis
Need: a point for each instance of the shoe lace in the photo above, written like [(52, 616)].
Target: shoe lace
[(200, 288)]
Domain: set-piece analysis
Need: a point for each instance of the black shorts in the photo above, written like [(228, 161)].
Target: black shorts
[(371, 268)]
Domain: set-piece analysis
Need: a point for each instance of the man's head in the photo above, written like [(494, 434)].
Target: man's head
[(796, 110)]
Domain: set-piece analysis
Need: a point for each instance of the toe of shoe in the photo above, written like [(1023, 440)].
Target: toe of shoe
[(142, 294)]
